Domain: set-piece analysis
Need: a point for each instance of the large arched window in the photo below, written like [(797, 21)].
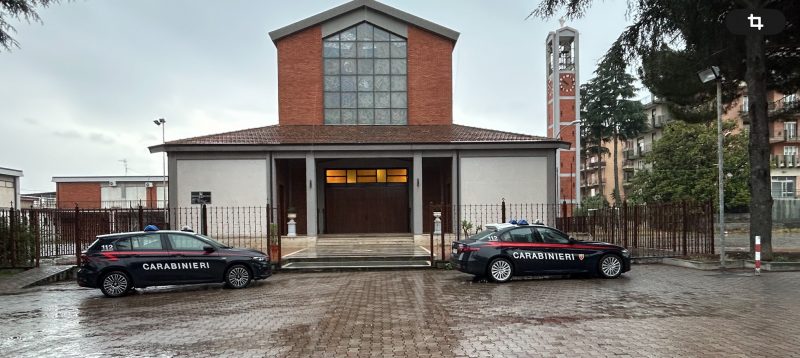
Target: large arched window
[(365, 77)]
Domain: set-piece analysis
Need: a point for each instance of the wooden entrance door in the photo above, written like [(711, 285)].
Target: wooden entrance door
[(367, 208)]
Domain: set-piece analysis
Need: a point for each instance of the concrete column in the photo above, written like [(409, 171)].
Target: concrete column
[(456, 192), (311, 194), (416, 185)]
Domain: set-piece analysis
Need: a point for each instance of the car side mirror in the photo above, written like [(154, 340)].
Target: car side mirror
[(208, 248)]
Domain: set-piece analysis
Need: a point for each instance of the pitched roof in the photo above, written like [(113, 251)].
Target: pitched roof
[(360, 4), (357, 134)]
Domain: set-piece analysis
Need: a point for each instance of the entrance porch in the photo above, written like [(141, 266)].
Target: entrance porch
[(358, 195)]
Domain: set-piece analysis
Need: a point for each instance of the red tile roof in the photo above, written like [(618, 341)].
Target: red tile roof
[(356, 134)]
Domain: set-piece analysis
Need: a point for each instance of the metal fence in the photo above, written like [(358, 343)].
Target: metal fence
[(654, 230), (30, 234), (648, 230)]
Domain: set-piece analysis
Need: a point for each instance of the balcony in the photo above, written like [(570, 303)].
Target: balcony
[(661, 120), (632, 153), (785, 106), (627, 165), (785, 161), (592, 183), (786, 137)]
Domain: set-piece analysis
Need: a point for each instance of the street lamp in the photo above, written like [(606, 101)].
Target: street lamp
[(161, 122), (708, 75), (577, 159)]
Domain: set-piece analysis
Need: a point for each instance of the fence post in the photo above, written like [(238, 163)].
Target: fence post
[(12, 230), (684, 229), (442, 233), (77, 235), (141, 218), (204, 220), (269, 232), (34, 221), (635, 225), (625, 223), (502, 210), (432, 250)]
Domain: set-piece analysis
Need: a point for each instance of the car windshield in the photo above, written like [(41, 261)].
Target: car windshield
[(481, 236), (215, 242)]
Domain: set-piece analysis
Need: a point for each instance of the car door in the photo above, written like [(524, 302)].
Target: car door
[(559, 254), (520, 246), (194, 264), (149, 259)]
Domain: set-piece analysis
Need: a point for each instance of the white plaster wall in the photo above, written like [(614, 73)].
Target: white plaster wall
[(522, 181), (232, 182), (8, 191)]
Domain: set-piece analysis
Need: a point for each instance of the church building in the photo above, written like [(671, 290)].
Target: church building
[(365, 136)]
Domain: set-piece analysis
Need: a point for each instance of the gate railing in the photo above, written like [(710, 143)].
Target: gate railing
[(652, 230)]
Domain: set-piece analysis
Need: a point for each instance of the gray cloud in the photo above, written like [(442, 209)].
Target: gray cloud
[(101, 138), (209, 69), (68, 134)]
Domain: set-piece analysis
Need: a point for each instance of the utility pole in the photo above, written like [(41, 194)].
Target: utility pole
[(125, 164)]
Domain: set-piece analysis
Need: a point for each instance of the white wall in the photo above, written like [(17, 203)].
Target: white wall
[(7, 193), (520, 180), (232, 182)]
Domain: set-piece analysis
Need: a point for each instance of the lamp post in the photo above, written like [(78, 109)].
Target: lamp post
[(161, 122), (708, 75), (577, 159)]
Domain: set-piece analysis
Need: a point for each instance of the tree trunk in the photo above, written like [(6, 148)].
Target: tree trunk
[(760, 195), (616, 171)]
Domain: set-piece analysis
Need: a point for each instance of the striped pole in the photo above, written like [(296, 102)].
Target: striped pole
[(758, 255)]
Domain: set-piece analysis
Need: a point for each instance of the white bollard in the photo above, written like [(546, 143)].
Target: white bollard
[(292, 229), (758, 255), (437, 223)]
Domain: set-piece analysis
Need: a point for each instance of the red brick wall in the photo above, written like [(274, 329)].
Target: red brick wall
[(87, 195), (300, 78), (430, 78), (567, 108)]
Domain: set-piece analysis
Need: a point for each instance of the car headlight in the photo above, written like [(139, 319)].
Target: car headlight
[(260, 258), (626, 253)]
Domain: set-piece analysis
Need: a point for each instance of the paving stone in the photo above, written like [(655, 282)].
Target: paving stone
[(654, 311)]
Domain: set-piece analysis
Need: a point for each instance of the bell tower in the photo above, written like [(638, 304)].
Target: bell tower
[(563, 109)]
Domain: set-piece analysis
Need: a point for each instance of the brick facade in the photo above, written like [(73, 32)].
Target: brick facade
[(300, 91), (430, 78), (300, 86), (86, 195)]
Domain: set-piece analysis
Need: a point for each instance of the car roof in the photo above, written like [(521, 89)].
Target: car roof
[(130, 233), (503, 226)]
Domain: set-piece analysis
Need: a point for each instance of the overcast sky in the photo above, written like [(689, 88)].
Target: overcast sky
[(83, 91)]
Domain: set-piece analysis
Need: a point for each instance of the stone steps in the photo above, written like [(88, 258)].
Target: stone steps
[(335, 252), (350, 265)]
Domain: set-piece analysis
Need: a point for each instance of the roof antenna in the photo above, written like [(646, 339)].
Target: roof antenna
[(125, 163)]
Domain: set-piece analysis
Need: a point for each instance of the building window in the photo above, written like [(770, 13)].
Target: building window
[(790, 150), (365, 81), (362, 176), (790, 128), (783, 187), (745, 104)]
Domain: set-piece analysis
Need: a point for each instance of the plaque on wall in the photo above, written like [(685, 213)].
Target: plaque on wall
[(201, 197)]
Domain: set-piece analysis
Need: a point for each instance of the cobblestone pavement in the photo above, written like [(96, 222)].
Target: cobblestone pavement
[(655, 310)]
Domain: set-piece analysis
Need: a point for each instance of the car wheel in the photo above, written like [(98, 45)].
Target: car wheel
[(500, 270), (610, 266), (115, 284), (237, 276)]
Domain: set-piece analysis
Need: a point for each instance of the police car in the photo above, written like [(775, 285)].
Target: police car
[(118, 263), (518, 249)]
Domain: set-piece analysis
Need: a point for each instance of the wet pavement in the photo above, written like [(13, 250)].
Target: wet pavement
[(655, 310)]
